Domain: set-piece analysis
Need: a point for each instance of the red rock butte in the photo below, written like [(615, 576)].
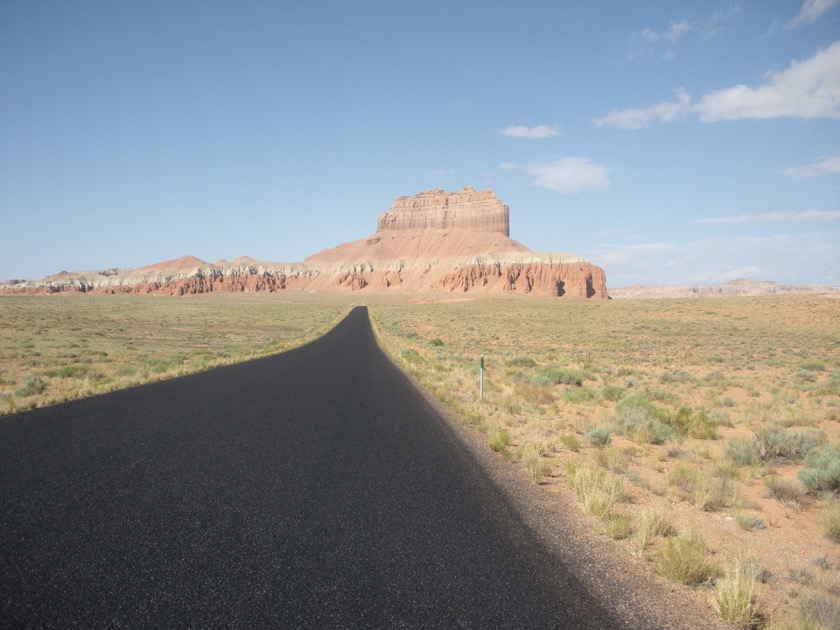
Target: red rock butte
[(434, 241)]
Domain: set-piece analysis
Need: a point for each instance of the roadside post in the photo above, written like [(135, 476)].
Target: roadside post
[(481, 379)]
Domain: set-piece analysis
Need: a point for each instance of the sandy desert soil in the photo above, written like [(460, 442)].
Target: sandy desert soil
[(594, 390)]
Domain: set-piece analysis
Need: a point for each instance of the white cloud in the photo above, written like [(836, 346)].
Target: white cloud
[(443, 172), (808, 216), (827, 166), (538, 132), (812, 10), (568, 175), (807, 89), (641, 118), (643, 41), (674, 32)]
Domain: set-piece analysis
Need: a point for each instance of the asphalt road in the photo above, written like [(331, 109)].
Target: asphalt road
[(315, 488)]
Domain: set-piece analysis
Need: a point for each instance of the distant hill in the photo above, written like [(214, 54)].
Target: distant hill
[(734, 288), (434, 241)]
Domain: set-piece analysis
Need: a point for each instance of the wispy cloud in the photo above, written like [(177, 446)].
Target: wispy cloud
[(568, 175), (641, 118), (443, 172), (807, 89), (827, 166), (812, 10), (538, 132), (809, 216), (675, 31), (647, 39)]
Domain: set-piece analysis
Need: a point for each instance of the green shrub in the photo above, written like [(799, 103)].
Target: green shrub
[(538, 466), (773, 443), (812, 365), (411, 355), (653, 522), (822, 468), (618, 525), (741, 452), (686, 422), (615, 458), (571, 442), (32, 386), (581, 394), (598, 436), (639, 422), (500, 441), (535, 394), (684, 559), (831, 521), (612, 392), (436, 342), (676, 376), (524, 362), (559, 376), (635, 400), (597, 489), (749, 522)]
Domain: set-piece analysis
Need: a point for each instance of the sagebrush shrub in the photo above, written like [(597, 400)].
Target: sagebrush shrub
[(741, 452), (773, 443), (32, 386), (636, 417), (822, 468), (598, 436), (525, 362), (559, 376)]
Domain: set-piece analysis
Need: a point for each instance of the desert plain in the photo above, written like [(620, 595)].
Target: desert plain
[(699, 438)]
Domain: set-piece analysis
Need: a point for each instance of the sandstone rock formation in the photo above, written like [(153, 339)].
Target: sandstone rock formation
[(433, 241), (466, 209)]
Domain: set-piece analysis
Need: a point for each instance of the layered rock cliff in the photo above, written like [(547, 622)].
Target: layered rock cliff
[(466, 209), (433, 241)]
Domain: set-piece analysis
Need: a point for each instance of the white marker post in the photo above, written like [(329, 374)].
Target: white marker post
[(481, 379)]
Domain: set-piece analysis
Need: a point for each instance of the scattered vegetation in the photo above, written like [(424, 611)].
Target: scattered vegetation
[(729, 407), (58, 348)]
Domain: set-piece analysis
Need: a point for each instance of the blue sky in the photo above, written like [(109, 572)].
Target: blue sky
[(669, 142)]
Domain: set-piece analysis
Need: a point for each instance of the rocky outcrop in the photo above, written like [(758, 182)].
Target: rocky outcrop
[(466, 209), (570, 277), (431, 242)]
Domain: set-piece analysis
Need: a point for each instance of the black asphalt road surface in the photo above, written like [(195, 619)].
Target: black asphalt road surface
[(315, 488)]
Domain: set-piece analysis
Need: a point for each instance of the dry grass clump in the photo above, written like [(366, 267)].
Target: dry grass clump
[(685, 559), (831, 521), (734, 596), (597, 489), (653, 523)]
